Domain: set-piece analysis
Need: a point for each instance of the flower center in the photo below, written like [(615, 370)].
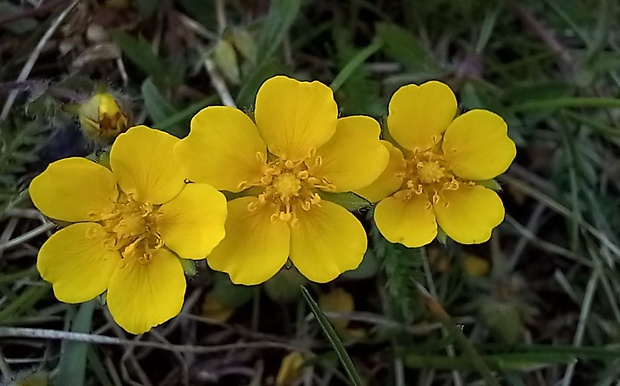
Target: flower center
[(430, 171), (289, 187), (427, 172), (131, 228)]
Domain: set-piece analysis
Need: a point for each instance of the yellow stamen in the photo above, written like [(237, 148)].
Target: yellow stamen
[(290, 187), (427, 173), (131, 228)]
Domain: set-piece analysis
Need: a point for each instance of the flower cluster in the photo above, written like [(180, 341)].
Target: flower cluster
[(160, 200)]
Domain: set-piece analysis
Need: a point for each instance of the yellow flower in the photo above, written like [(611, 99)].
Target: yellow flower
[(102, 118), (130, 225), (435, 178), (297, 149)]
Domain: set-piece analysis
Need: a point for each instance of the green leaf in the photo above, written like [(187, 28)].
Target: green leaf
[(245, 44), (490, 184), (139, 52), (230, 294), (283, 286), (225, 58), (282, 14), (181, 118), (367, 268), (335, 341), (189, 267), (355, 62), (504, 320), (486, 30), (349, 200), (72, 366), (403, 47), (157, 106)]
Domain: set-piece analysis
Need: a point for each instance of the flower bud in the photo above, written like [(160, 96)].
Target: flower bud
[(102, 118)]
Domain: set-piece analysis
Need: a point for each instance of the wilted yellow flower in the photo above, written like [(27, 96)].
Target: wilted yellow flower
[(297, 149), (102, 118), (434, 175), (130, 225)]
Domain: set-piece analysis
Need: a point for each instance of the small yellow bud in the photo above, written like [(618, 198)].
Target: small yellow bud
[(290, 369), (102, 118), (213, 308), (338, 300), (476, 266)]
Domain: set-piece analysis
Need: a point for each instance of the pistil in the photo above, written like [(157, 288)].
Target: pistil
[(427, 173), (131, 229), (290, 187)]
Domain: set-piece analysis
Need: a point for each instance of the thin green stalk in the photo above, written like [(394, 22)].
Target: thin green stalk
[(28, 298), (346, 361), (500, 362), (567, 102), (354, 63), (72, 365), (468, 348)]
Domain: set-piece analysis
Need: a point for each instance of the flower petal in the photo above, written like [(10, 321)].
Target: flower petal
[(294, 117), (477, 147), (76, 263), (409, 222), (354, 157), (469, 214), (144, 295), (390, 180), (327, 241), (142, 161), (255, 248), (221, 149), (72, 188), (419, 114), (192, 223)]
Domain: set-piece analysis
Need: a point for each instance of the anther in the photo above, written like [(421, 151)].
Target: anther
[(311, 152), (285, 216), (243, 185), (252, 206), (315, 199), (331, 188), (289, 164), (318, 161)]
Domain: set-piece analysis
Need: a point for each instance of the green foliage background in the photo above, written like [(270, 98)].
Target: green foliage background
[(548, 312)]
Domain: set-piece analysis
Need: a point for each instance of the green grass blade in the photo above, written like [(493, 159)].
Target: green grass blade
[(282, 14), (567, 102), (357, 61), (346, 361), (141, 54), (72, 366)]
